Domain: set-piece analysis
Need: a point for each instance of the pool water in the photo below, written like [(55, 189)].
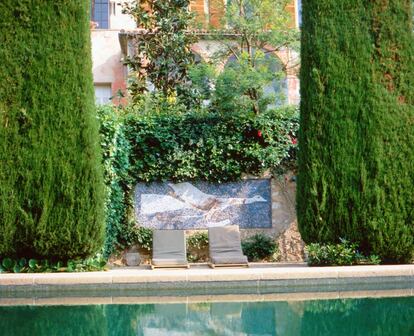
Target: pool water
[(385, 316)]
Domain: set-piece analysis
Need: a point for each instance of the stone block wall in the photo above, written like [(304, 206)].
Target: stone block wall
[(284, 223)]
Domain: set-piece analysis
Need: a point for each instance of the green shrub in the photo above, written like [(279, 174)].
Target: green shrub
[(198, 240), (52, 192), (259, 247), (341, 254), (197, 246), (164, 46), (22, 265), (356, 139), (144, 238), (133, 234), (158, 141), (208, 147), (115, 151)]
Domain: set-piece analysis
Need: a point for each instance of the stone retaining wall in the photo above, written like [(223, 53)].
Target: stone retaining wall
[(284, 224)]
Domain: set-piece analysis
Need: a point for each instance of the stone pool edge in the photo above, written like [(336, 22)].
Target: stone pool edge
[(254, 279)]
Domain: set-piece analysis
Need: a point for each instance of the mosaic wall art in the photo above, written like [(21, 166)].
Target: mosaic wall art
[(199, 205)]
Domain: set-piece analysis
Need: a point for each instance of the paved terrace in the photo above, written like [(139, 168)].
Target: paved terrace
[(142, 284)]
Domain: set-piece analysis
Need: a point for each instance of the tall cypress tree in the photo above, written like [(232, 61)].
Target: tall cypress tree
[(51, 194), (356, 158)]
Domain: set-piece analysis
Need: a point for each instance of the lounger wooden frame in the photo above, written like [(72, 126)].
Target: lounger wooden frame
[(170, 266), (228, 265)]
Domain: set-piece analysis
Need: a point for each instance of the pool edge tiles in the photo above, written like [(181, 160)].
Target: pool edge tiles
[(132, 300), (255, 279)]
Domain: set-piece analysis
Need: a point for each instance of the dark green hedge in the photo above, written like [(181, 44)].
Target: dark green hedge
[(116, 151), (209, 147), (51, 195), (356, 159), (177, 146)]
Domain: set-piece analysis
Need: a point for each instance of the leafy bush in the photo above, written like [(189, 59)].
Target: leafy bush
[(163, 48), (344, 253), (22, 265), (208, 146), (198, 240), (259, 247), (115, 150), (158, 141), (133, 234), (197, 246), (52, 191)]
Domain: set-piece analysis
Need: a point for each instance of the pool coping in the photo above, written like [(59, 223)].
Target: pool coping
[(194, 299), (258, 278)]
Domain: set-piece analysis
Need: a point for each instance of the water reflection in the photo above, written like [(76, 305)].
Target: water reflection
[(390, 316)]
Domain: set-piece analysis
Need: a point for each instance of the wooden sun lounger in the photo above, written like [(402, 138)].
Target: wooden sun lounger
[(225, 247), (169, 249)]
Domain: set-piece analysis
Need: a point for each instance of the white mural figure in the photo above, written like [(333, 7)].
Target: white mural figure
[(194, 196), (186, 196), (153, 203)]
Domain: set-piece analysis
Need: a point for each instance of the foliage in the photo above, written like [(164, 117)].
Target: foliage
[(133, 234), (197, 246), (157, 141), (162, 49), (144, 238), (203, 77), (198, 240), (22, 265), (341, 254), (259, 247), (115, 149), (210, 147), (258, 29), (356, 139), (52, 192), (240, 87)]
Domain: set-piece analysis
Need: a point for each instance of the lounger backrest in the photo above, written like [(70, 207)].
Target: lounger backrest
[(224, 240), (169, 244)]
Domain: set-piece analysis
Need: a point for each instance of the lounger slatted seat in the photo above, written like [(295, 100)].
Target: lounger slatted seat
[(169, 249), (225, 247)]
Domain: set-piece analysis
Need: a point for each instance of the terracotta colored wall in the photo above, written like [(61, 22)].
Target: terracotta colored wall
[(197, 7), (106, 58), (216, 10), (291, 9)]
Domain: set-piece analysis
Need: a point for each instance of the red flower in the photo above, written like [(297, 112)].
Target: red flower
[(294, 141), (259, 134)]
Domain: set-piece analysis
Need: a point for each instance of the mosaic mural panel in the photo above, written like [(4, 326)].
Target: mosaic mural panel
[(199, 205)]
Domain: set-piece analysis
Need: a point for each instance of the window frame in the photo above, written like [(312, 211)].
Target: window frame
[(107, 14)]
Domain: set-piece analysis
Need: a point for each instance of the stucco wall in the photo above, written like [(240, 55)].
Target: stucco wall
[(106, 58), (118, 20), (107, 55), (106, 50)]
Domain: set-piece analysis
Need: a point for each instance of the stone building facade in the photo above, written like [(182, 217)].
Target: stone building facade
[(110, 28)]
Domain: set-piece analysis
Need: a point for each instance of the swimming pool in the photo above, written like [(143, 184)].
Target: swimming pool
[(353, 316)]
